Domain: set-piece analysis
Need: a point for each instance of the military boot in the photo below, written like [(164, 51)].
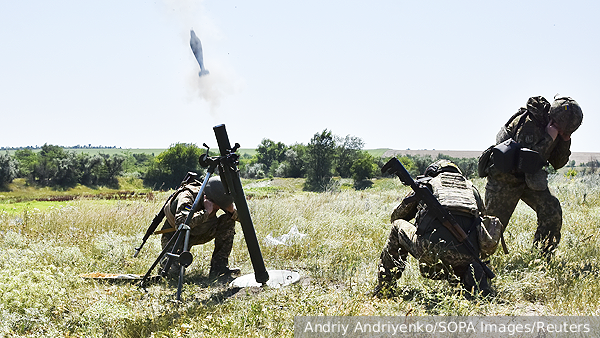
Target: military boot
[(386, 281), (172, 271), (223, 272), (476, 282)]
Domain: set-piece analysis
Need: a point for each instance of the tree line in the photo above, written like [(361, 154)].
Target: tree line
[(324, 157), (53, 166)]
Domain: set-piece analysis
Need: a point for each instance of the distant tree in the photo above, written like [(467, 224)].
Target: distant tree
[(320, 154), (48, 164), (170, 167), (468, 166), (269, 152), (136, 164), (89, 167), (348, 151), (592, 166), (420, 163), (255, 170), (364, 167), (26, 162), (8, 170), (111, 169), (294, 164), (68, 171), (142, 159)]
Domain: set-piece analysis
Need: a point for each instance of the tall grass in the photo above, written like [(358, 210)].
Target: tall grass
[(44, 252)]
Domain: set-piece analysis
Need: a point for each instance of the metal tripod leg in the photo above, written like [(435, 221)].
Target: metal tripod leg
[(162, 254), (185, 258)]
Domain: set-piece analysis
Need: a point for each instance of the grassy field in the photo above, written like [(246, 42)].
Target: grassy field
[(44, 249)]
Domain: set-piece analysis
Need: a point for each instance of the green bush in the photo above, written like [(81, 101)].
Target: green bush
[(168, 169), (8, 170)]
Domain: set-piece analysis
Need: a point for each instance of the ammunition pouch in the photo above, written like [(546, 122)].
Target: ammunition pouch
[(505, 155), (510, 157), (489, 232)]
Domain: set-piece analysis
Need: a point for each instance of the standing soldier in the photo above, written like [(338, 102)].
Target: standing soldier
[(546, 129), (205, 225), (440, 254)]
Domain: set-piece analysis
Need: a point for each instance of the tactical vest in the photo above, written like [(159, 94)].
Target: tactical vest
[(455, 193), (171, 208)]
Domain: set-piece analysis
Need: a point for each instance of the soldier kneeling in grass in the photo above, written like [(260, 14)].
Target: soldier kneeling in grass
[(440, 254), (205, 225)]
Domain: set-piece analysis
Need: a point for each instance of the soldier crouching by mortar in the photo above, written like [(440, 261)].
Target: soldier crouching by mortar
[(205, 225), (440, 254)]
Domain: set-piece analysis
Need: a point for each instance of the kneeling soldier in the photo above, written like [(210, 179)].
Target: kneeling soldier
[(440, 254), (205, 225)]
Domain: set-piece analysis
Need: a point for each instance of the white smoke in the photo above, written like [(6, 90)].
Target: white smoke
[(214, 87), (222, 81)]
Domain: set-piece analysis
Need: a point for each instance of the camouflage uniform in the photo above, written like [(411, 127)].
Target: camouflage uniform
[(204, 227), (439, 253), (504, 190)]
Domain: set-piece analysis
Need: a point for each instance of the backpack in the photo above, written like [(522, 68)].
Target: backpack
[(537, 111)]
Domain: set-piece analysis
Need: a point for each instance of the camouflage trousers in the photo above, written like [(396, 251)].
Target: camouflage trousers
[(437, 259), (221, 229), (503, 192)]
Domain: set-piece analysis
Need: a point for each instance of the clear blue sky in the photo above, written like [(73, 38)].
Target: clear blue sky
[(398, 74)]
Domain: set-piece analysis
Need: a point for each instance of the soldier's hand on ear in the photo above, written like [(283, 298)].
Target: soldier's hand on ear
[(552, 130), (230, 209), (209, 206)]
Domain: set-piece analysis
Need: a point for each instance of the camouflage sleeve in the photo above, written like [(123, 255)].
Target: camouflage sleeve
[(234, 216), (503, 135), (543, 145), (480, 205), (185, 201), (407, 210), (560, 154), (532, 136)]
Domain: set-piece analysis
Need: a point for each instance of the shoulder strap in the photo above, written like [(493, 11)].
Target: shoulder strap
[(520, 112), (521, 121), (193, 187), (522, 115)]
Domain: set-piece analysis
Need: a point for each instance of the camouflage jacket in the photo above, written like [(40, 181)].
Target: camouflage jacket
[(179, 207), (528, 127)]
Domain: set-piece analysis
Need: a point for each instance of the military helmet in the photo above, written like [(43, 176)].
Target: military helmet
[(441, 166), (567, 114), (215, 192)]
